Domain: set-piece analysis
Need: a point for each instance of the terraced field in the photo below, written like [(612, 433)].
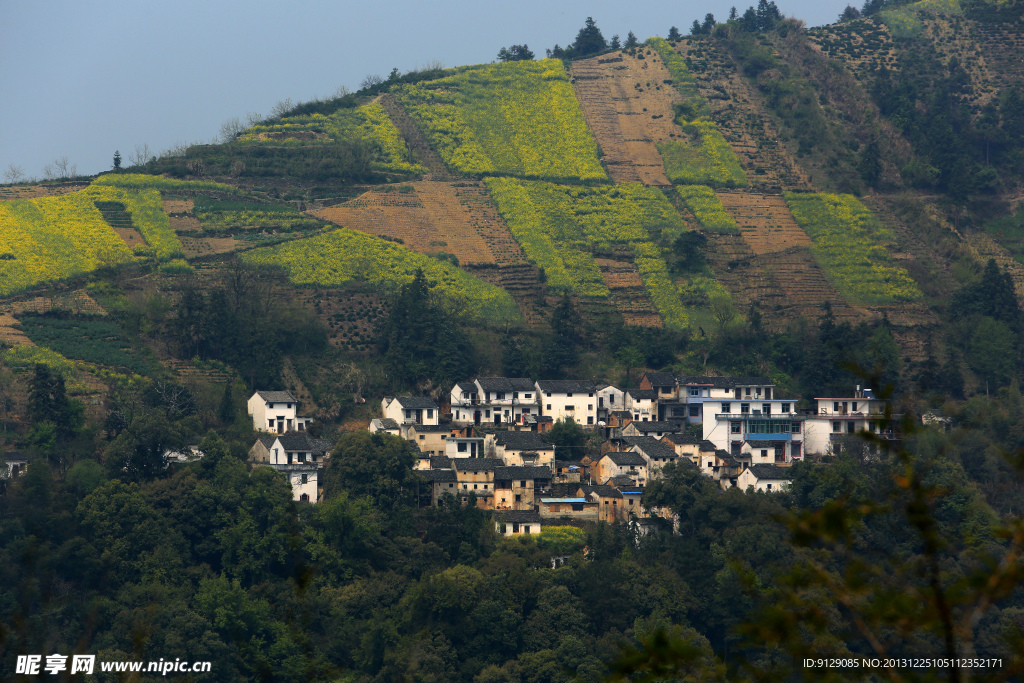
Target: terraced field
[(764, 220), (627, 103), (431, 217), (741, 118)]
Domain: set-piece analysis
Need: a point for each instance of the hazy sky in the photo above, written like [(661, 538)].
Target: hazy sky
[(81, 79)]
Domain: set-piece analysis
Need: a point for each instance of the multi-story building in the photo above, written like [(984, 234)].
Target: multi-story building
[(763, 422), (494, 400), (276, 412), (839, 419), (572, 399), (411, 409)]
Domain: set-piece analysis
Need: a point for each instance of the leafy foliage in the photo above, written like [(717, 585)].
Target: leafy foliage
[(343, 255), (517, 118), (90, 340), (707, 208), (849, 245), (139, 181)]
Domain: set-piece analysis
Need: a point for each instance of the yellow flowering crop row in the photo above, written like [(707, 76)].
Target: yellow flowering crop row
[(147, 210), (703, 159), (559, 226), (29, 356), (704, 203), (140, 181), (515, 118), (849, 245), (343, 255), (225, 220), (369, 122)]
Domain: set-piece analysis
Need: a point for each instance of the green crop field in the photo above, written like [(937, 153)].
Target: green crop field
[(93, 341), (559, 226), (344, 255), (704, 204), (850, 246), (140, 181), (369, 122), (221, 216), (514, 119)]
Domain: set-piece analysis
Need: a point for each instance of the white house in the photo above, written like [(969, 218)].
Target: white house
[(771, 478), (386, 425), (494, 400), (842, 418), (517, 522), (656, 429), (568, 399), (655, 453), (642, 404), (276, 412), (520, 448), (614, 463), (609, 399), (411, 409), (299, 456), (464, 447), (765, 423)]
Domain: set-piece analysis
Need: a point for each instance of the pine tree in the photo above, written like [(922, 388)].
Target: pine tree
[(673, 34), (631, 41), (117, 160), (226, 411), (589, 40)]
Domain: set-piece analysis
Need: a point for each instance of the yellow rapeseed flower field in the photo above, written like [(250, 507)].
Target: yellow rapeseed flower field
[(343, 255), (516, 118)]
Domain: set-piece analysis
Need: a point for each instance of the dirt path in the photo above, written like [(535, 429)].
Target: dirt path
[(628, 106), (421, 149)]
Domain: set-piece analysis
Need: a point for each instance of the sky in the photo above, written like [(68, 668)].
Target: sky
[(83, 79)]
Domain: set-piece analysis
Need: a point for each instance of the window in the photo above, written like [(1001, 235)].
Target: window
[(794, 449), (465, 486), (590, 419), (519, 498), (569, 395), (694, 411), (871, 426), (462, 447), (766, 408), (288, 405), (577, 507), (549, 405), (422, 437), (526, 528), (527, 395), (474, 487), (837, 426), (501, 396), (855, 406), (515, 527), (630, 501), (794, 428), (408, 413), (487, 412), (736, 428), (785, 407), (851, 427), (591, 394), (769, 487), (611, 399), (744, 408), (600, 401), (522, 484), (747, 392), (526, 411), (768, 393), (736, 447), (764, 453), (569, 408), (305, 478), (430, 412), (548, 394), (835, 407), (694, 392), (726, 407), (739, 393), (590, 406)]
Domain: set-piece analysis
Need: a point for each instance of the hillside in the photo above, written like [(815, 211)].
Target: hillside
[(686, 184)]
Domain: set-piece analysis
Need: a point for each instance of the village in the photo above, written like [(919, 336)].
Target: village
[(487, 445)]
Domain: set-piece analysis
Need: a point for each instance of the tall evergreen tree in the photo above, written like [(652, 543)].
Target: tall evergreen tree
[(589, 40)]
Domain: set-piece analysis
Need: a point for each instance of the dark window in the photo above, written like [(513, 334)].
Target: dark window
[(577, 507), (726, 407), (785, 407), (519, 498), (736, 428), (694, 411)]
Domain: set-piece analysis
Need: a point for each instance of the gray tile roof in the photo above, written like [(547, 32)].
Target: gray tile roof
[(651, 447), (604, 490), (566, 386), (517, 516), (726, 382), (522, 441), (658, 426), (643, 394), (661, 379), (706, 445), (506, 384), (387, 423), (625, 459), (423, 429), (621, 481), (277, 396), (476, 464), (680, 438), (304, 442), (771, 472), (440, 462), (416, 402), (467, 387), (437, 475), (505, 473)]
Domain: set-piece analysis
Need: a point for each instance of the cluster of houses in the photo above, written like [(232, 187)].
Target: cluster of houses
[(489, 445)]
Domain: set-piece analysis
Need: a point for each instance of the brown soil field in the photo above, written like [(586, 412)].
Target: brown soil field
[(628, 295), (77, 302), (174, 206), (628, 106), (131, 237), (204, 246), (765, 221), (184, 224), (457, 218), (736, 108), (417, 142), (10, 334), (34, 191)]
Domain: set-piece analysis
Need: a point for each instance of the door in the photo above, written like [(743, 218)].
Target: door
[(476, 417)]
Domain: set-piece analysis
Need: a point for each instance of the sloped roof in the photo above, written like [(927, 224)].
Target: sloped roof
[(661, 379), (627, 458), (466, 387), (302, 441), (476, 464), (657, 426), (385, 423), (603, 490), (522, 441), (726, 382), (706, 445), (680, 438), (416, 402), (621, 481), (524, 472), (277, 396), (506, 383), (440, 462), (652, 448), (771, 472), (437, 475), (566, 386), (423, 429)]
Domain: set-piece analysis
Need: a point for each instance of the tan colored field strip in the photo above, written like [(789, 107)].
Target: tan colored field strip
[(34, 191), (204, 246), (458, 218), (628, 106), (184, 224), (765, 221), (172, 206), (10, 334), (131, 237)]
